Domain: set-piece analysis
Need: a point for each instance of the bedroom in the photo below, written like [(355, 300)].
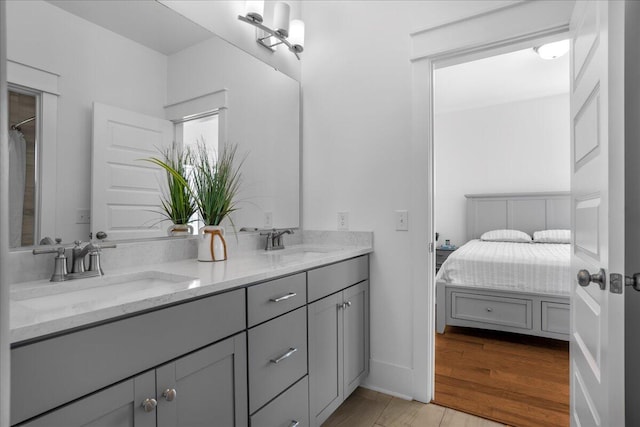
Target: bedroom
[(510, 113)]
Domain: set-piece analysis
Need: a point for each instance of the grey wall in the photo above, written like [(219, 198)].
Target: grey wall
[(632, 210)]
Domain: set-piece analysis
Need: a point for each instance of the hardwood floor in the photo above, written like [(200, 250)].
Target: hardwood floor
[(511, 378), (367, 408)]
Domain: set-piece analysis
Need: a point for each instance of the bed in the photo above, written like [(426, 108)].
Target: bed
[(508, 286)]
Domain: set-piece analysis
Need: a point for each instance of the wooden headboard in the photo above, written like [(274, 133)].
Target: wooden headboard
[(526, 212)]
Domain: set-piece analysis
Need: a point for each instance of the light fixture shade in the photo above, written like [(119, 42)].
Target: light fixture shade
[(552, 50), (255, 9), (296, 35), (281, 18)]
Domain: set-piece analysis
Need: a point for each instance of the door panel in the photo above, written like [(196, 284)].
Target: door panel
[(325, 358), (597, 315), (356, 336), (210, 386), (115, 406), (126, 191)]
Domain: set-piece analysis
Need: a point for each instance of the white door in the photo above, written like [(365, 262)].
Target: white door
[(125, 190), (597, 189)]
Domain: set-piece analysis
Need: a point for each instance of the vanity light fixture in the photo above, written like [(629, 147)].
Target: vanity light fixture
[(289, 33), (552, 50)]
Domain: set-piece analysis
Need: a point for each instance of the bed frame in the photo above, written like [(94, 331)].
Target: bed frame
[(528, 313)]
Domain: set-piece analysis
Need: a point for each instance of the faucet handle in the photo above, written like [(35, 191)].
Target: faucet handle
[(60, 262)]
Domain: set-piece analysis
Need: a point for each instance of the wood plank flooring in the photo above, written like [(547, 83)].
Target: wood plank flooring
[(367, 408), (510, 378)]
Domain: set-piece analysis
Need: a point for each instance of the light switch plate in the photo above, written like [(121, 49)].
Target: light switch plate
[(83, 216), (343, 221), (402, 220), (268, 219)]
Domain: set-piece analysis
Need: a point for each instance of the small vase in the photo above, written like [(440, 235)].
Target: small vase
[(211, 244), (180, 230)]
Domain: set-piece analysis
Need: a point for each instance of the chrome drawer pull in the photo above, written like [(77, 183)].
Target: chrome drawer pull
[(284, 297), (284, 356), (294, 423)]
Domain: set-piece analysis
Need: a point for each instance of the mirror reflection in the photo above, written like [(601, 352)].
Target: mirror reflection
[(69, 64)]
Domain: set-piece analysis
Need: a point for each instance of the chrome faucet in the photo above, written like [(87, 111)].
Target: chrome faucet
[(274, 239), (78, 254)]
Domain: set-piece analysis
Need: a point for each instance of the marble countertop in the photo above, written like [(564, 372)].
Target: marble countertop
[(42, 308)]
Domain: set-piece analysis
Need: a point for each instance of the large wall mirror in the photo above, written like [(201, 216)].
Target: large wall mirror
[(69, 59)]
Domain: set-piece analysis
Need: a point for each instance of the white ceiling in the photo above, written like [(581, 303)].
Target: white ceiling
[(515, 76), (147, 22)]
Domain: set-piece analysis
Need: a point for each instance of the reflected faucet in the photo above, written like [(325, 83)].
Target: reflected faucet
[(274, 239)]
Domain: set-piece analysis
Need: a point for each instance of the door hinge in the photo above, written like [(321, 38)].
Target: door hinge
[(431, 247)]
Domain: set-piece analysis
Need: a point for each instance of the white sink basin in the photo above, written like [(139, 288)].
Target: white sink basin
[(100, 292)]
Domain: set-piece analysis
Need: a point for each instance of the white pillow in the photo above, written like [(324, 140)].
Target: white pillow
[(552, 236), (506, 236)]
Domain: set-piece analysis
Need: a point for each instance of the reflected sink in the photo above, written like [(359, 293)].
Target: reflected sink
[(100, 292)]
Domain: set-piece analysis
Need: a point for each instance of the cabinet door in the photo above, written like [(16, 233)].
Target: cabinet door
[(116, 406), (325, 357), (356, 336), (205, 388)]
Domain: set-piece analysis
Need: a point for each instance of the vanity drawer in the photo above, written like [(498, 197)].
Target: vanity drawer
[(512, 312), (555, 317), (284, 411), (277, 356), (54, 371), (271, 299), (327, 280)]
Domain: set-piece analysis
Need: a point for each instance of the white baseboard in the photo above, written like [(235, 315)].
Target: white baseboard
[(390, 379)]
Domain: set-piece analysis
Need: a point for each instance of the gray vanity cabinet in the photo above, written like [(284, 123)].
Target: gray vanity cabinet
[(115, 406), (205, 388), (338, 335)]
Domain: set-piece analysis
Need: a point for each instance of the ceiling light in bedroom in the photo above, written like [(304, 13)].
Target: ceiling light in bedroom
[(552, 50)]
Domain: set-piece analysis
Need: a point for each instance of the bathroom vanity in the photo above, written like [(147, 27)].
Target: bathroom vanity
[(264, 339)]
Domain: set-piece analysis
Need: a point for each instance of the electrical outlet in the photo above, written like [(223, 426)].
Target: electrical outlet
[(83, 216), (343, 221), (402, 220), (268, 219)]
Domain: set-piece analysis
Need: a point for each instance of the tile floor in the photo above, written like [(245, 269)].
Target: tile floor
[(367, 408)]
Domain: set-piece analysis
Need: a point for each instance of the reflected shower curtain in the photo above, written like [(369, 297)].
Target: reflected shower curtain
[(17, 173)]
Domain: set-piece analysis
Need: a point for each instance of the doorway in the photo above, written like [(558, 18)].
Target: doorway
[(501, 128)]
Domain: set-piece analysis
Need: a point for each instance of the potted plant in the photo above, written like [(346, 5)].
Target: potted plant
[(215, 185), (178, 204)]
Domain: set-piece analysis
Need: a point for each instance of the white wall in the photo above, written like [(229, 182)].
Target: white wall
[(516, 147), (94, 64), (357, 100)]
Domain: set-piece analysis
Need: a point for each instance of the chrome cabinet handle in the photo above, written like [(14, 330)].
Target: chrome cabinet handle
[(294, 423), (584, 278), (149, 405), (169, 394), (284, 297), (284, 356), (348, 304)]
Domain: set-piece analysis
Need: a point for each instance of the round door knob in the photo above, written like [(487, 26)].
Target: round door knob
[(149, 405), (169, 394), (584, 278)]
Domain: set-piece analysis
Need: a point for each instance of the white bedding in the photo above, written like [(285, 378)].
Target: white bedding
[(528, 267)]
